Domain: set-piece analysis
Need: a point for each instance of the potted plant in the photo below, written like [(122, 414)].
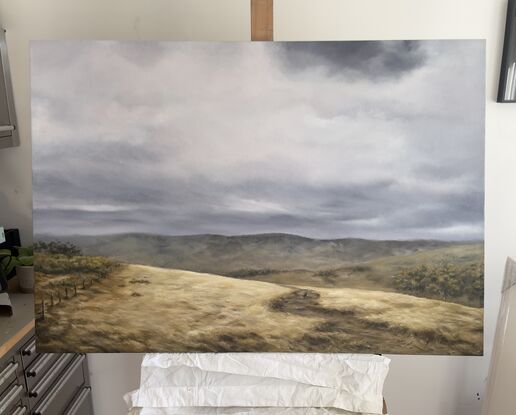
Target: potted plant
[(25, 269), (24, 264)]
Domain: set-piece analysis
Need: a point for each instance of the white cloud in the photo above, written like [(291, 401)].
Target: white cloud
[(203, 127)]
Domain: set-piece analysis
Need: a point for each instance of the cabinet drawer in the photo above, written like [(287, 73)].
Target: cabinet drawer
[(11, 398), (39, 368), (81, 405), (8, 373), (62, 392), (28, 353), (45, 381), (20, 410)]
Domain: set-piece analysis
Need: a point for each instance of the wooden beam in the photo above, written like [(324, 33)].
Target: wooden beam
[(13, 341), (262, 20)]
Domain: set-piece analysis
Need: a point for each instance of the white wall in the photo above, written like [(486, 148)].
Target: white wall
[(111, 377), (417, 384)]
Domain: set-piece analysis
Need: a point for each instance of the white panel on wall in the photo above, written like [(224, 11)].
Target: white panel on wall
[(500, 398), (111, 377)]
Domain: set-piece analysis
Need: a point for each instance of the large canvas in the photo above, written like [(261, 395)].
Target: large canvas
[(259, 197)]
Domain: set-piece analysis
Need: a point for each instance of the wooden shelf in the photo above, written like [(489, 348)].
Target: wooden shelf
[(15, 327)]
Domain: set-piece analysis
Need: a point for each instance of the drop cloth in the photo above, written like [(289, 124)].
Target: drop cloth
[(255, 384)]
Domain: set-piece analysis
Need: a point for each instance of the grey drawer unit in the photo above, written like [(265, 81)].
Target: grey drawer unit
[(21, 410), (34, 383), (48, 378), (12, 386), (11, 398), (39, 368), (81, 405), (9, 372), (28, 352), (64, 390)]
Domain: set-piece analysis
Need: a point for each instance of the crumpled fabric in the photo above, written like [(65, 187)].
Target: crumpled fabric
[(256, 384), (241, 411)]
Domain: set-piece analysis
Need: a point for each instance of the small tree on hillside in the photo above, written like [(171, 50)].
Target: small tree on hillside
[(57, 247)]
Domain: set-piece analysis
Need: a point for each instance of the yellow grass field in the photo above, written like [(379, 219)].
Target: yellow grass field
[(141, 308)]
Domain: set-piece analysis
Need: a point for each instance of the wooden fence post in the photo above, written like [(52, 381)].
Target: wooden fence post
[(51, 299), (74, 289), (66, 292), (43, 309)]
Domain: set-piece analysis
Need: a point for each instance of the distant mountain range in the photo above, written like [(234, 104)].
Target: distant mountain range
[(223, 254)]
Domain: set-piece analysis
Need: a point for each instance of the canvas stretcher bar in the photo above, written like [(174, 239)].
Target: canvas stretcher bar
[(262, 27)]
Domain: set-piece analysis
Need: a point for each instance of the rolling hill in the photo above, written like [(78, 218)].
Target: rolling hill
[(224, 254), (148, 309)]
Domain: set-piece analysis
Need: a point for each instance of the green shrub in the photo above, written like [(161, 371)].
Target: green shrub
[(326, 273), (360, 268), (57, 247), (445, 281), (248, 272), (60, 264)]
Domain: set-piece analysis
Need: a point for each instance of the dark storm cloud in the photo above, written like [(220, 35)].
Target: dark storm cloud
[(366, 58), (171, 138), (198, 207)]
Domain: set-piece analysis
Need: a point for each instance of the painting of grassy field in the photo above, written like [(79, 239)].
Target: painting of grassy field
[(259, 196), (362, 305)]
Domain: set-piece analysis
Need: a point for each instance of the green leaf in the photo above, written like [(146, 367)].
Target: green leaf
[(25, 251), (7, 264), (26, 261)]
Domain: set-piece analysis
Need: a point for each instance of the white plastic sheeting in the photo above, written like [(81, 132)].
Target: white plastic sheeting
[(256, 384)]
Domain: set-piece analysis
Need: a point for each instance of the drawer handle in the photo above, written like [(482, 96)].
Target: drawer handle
[(80, 399), (30, 349), (59, 385), (10, 398), (7, 372), (4, 128), (51, 375), (21, 410), (39, 364)]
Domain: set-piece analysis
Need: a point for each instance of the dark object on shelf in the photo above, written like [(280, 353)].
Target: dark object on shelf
[(507, 86), (12, 238), (12, 241)]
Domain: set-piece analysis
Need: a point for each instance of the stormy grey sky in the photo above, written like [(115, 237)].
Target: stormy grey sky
[(381, 140)]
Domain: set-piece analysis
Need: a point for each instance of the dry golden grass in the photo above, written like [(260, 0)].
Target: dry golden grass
[(454, 324), (174, 311), (141, 308)]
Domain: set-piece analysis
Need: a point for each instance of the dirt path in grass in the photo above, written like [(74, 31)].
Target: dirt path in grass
[(346, 325)]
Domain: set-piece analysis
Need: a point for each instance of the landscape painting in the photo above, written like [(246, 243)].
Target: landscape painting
[(259, 197)]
